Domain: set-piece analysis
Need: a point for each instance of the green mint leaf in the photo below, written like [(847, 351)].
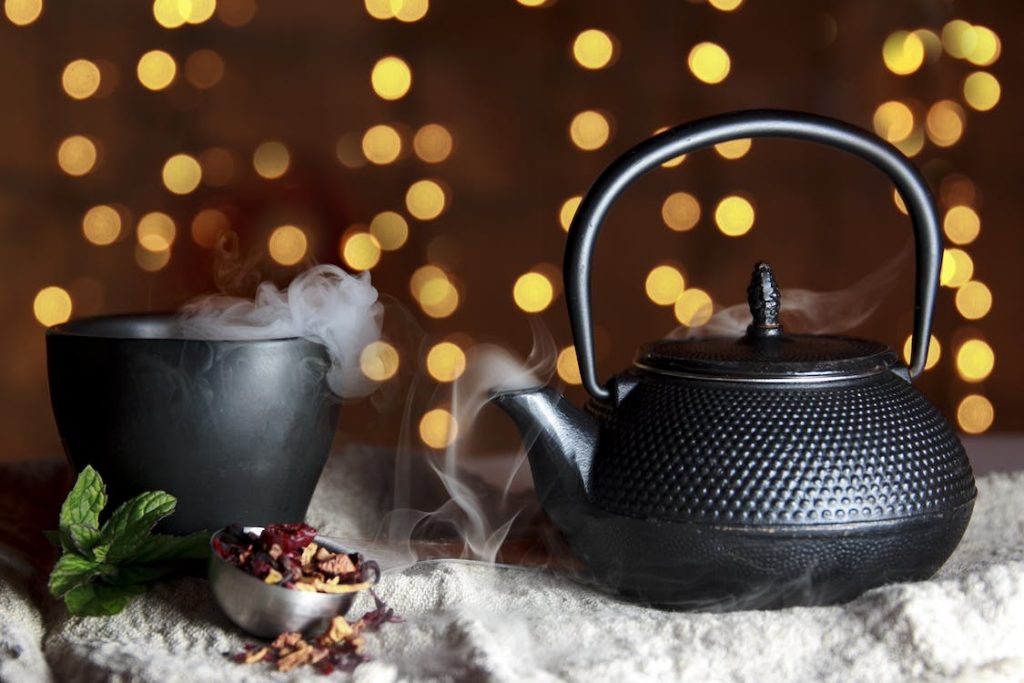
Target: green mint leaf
[(86, 500), (100, 600), (83, 539), (159, 547), (135, 574), (99, 552), (132, 522), (71, 571)]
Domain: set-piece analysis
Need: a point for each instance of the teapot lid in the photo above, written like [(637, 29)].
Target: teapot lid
[(766, 353)]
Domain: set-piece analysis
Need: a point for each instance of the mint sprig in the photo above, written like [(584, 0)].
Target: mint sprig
[(105, 566)]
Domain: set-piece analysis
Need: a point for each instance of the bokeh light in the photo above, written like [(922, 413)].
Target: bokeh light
[(589, 130), (733, 149), (975, 360), (156, 232), (438, 428), (893, 121), (76, 155), (945, 123), (379, 361), (208, 226), (985, 47), (434, 292), (271, 160), (901, 206), (101, 225), (360, 250), (961, 224), (52, 306), (391, 78), (974, 300), (156, 70), (390, 230), (381, 144), (432, 143), (664, 285), (446, 362), (235, 13), (709, 62), (568, 366), (693, 308), (725, 5), (80, 79), (934, 351), (204, 68), (680, 211), (568, 210), (958, 38), (287, 245), (197, 11), (982, 91), (425, 200), (903, 52), (957, 268), (409, 11), (593, 49), (734, 216), (168, 13), (533, 292), (181, 174), (533, 3), (23, 12), (379, 9), (975, 414), (151, 261)]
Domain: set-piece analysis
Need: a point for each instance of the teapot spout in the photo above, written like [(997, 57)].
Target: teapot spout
[(560, 440)]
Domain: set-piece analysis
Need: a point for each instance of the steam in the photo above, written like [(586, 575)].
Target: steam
[(811, 312), (324, 304)]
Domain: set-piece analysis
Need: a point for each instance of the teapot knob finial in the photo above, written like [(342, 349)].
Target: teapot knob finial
[(764, 300)]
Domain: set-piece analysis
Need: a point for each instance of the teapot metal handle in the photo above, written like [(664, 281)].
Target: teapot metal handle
[(748, 124)]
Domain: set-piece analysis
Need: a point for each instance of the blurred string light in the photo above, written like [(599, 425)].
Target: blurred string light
[(726, 5), (568, 366), (204, 69), (80, 79), (533, 292), (390, 230), (438, 428), (982, 91), (76, 155), (271, 160), (349, 150), (680, 211), (901, 206), (235, 13), (568, 210), (961, 224), (23, 12), (208, 226), (973, 300), (975, 414), (931, 41), (176, 13), (893, 121), (675, 161), (391, 78), (945, 123), (156, 232), (709, 62), (151, 261), (379, 361), (156, 70), (404, 10), (693, 308), (434, 292), (533, 3), (425, 200), (181, 174), (977, 44), (446, 362), (934, 351), (52, 306), (664, 285), (381, 144), (593, 49), (975, 360), (589, 130), (432, 143), (903, 52), (957, 268), (360, 250), (734, 216), (733, 149), (287, 245), (101, 225)]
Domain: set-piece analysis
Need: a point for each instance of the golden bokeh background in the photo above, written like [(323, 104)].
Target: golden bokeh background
[(444, 146)]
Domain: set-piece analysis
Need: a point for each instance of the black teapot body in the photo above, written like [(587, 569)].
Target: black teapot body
[(765, 471)]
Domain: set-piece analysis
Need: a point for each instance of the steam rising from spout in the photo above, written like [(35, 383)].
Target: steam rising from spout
[(324, 304)]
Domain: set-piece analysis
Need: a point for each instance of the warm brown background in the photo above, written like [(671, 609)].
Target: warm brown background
[(502, 78)]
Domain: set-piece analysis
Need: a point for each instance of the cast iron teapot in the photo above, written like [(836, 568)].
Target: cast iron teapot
[(772, 470)]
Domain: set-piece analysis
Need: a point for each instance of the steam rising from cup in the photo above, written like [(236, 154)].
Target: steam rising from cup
[(325, 305)]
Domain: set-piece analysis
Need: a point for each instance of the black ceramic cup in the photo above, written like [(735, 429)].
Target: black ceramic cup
[(238, 431)]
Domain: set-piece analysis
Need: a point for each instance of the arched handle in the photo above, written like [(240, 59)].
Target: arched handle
[(748, 124)]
